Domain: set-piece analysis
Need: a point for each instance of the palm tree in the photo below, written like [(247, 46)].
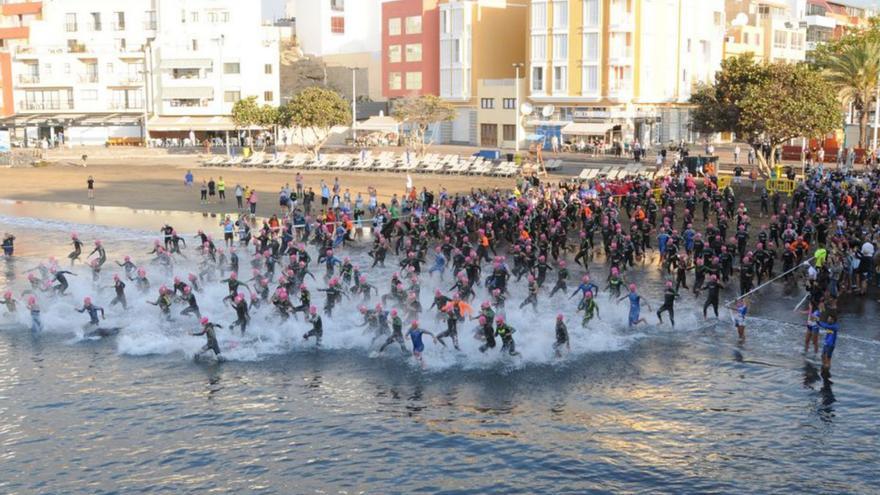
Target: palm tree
[(854, 72)]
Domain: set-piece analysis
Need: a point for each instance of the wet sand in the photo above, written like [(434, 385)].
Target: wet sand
[(159, 186)]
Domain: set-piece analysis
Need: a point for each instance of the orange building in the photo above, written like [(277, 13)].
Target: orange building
[(15, 19)]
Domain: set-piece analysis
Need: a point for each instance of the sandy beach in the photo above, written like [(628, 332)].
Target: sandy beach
[(159, 185)]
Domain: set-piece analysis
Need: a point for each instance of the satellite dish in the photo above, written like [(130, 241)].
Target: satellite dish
[(526, 108), (548, 111)]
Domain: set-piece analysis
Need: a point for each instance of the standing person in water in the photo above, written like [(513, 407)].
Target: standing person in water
[(669, 297), (562, 339), (317, 330), (93, 311), (8, 245), (831, 328), (34, 308), (739, 318), (90, 183)]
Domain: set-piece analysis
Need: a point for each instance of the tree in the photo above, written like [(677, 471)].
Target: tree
[(419, 112), (316, 110), (766, 104), (794, 101), (853, 71), (246, 113)]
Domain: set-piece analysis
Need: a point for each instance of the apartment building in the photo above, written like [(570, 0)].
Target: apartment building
[(826, 21), (343, 33), (480, 42), (771, 30), (207, 55), (619, 70), (410, 48), (97, 70), (15, 22)]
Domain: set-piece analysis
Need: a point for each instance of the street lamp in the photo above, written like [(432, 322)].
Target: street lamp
[(517, 67)]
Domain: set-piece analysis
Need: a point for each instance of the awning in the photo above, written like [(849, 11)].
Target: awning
[(71, 119), (197, 93), (186, 124), (550, 123), (587, 129), (186, 63), (379, 123)]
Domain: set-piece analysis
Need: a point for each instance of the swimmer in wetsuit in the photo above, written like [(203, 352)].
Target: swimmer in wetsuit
[(241, 310), (208, 332), (9, 302), (119, 287), (396, 333), (77, 248), (562, 338), (192, 305), (102, 254), (415, 334), (59, 276), (317, 330), (669, 297), (635, 306), (93, 313), (36, 321)]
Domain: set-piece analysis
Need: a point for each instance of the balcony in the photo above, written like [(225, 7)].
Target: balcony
[(128, 80), (149, 25), (620, 55), (622, 21), (119, 26), (71, 27), (36, 106), (22, 8), (131, 106), (29, 79), (89, 78), (14, 33)]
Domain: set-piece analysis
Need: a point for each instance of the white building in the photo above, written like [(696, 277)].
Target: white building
[(96, 69), (343, 33), (207, 55), (84, 65)]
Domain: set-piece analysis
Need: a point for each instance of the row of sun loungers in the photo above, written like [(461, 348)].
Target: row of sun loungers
[(383, 162), (618, 172)]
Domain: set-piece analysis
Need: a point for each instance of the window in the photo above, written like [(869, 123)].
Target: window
[(797, 41), (716, 16), (414, 52), (110, 68), (96, 21), (394, 80), (757, 39), (194, 45), (394, 26), (119, 21), (70, 23), (224, 17), (780, 39), (539, 15), (444, 21), (509, 103), (232, 68), (560, 14), (394, 54), (268, 96), (194, 16), (591, 80), (689, 45), (591, 13), (337, 5), (413, 80), (231, 96), (746, 38), (591, 47), (337, 25), (47, 69), (414, 24), (267, 69), (537, 79), (150, 20), (120, 44), (89, 94), (487, 103), (539, 47), (560, 46), (449, 52), (560, 81), (213, 17), (509, 131)]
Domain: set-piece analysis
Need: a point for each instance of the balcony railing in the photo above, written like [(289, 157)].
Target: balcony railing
[(71, 27), (88, 78), (121, 105), (29, 79), (46, 105), (150, 25), (119, 26)]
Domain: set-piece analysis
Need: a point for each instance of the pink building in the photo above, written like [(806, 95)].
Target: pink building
[(410, 48)]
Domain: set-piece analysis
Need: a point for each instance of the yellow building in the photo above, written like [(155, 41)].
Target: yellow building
[(620, 70), (768, 29), (480, 41)]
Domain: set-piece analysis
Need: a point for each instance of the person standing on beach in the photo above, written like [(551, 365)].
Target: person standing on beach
[(188, 179), (212, 189), (84, 158), (221, 189), (239, 194), (204, 192), (252, 201), (91, 185)]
